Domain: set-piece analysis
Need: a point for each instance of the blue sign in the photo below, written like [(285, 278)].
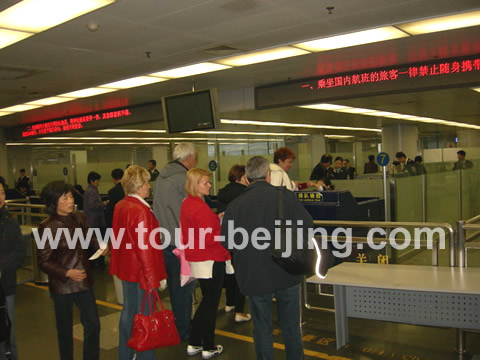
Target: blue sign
[(383, 159), (212, 165), (65, 171)]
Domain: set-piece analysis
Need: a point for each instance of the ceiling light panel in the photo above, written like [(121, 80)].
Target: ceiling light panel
[(262, 56), (133, 82), (216, 132), (9, 37), (86, 92), (38, 15), (443, 23), (4, 113), (133, 130), (19, 108), (50, 101), (308, 126), (352, 39), (191, 70)]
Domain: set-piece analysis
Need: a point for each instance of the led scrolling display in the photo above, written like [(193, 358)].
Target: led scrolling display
[(419, 71), (73, 123)]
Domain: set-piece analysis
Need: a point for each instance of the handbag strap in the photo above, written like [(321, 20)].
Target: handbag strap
[(152, 303)]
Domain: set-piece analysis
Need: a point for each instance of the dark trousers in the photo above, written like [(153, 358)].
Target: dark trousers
[(85, 301), (288, 312), (234, 296), (181, 298), (203, 325)]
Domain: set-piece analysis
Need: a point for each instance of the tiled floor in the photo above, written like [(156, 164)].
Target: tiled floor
[(368, 339)]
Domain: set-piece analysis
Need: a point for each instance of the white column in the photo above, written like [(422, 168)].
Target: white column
[(319, 147), (400, 137), (160, 155)]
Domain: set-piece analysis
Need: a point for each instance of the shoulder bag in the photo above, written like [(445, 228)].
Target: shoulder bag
[(154, 330)]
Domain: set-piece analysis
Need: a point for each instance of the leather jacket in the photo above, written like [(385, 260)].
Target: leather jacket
[(129, 261), (56, 262)]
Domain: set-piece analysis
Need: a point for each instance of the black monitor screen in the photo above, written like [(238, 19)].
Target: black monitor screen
[(190, 111)]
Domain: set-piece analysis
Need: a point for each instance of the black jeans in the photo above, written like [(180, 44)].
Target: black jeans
[(203, 324), (234, 296), (85, 301)]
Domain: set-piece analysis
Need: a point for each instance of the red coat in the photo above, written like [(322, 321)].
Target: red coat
[(196, 214), (128, 261)]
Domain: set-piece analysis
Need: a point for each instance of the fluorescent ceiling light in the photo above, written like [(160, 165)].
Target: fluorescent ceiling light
[(4, 113), (262, 56), (353, 39), (309, 126), (330, 107), (86, 92), (133, 130), (392, 115), (443, 23), (216, 132), (476, 89), (49, 101), (9, 37), (133, 82), (19, 108), (39, 15), (338, 136), (190, 70)]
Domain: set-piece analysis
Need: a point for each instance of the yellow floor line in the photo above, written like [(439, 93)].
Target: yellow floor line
[(228, 334)]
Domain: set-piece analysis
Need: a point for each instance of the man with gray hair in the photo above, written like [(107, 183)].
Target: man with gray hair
[(168, 195), (257, 275)]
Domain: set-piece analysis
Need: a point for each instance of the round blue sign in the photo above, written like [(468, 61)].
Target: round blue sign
[(212, 165), (65, 171), (383, 159)]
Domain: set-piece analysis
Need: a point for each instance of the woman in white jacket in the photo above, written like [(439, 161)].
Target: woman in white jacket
[(282, 162)]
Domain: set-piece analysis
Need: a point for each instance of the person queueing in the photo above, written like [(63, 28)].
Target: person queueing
[(238, 182), (200, 228), (12, 254), (140, 267), (70, 279)]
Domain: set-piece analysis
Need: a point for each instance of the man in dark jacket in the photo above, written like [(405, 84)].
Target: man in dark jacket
[(115, 194), (168, 195), (257, 275), (320, 171), (407, 165), (12, 254)]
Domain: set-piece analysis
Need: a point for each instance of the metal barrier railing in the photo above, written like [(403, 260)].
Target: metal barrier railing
[(18, 210)]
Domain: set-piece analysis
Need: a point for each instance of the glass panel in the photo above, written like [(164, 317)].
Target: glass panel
[(442, 197)]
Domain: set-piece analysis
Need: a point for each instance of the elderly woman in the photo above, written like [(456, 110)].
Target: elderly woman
[(136, 262), (200, 228), (69, 277), (12, 254)]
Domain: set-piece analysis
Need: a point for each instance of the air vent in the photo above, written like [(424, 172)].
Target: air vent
[(221, 50), (5, 4), (14, 73)]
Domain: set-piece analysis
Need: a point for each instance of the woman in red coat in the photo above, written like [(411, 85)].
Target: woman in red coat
[(136, 262), (200, 228)]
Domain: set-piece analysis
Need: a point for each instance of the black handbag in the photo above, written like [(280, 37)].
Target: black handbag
[(303, 259)]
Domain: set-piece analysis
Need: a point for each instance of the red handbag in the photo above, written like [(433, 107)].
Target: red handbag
[(154, 330)]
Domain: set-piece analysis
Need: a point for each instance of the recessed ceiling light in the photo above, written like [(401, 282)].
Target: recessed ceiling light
[(49, 101), (39, 15), (9, 37), (19, 108), (133, 82), (308, 126), (86, 92), (191, 70), (352, 39), (442, 23), (262, 56)]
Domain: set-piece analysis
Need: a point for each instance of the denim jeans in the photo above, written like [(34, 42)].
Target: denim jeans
[(288, 311), (181, 298), (85, 301), (132, 304), (13, 344)]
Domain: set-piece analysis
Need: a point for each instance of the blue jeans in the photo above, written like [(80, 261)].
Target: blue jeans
[(288, 310), (132, 304), (13, 343), (85, 301), (181, 298)]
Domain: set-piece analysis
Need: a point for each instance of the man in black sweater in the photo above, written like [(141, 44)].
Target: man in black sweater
[(258, 277)]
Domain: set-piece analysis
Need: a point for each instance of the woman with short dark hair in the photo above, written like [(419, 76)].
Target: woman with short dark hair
[(69, 277)]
